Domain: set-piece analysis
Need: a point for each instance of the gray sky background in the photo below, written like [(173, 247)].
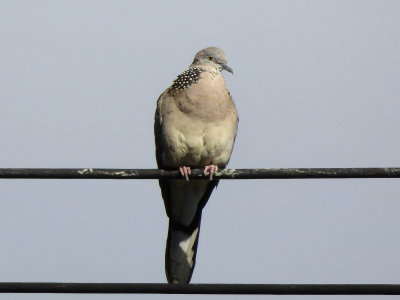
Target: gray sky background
[(316, 84)]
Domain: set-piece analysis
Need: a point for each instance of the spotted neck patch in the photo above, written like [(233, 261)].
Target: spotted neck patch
[(186, 79)]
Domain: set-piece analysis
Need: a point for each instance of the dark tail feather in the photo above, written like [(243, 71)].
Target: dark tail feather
[(180, 253)]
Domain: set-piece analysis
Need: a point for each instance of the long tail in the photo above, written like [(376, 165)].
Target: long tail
[(181, 249)]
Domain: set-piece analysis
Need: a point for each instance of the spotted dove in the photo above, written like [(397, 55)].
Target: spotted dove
[(195, 127)]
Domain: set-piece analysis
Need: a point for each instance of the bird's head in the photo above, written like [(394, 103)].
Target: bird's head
[(212, 56)]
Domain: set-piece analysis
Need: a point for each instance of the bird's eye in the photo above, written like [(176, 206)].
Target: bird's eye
[(210, 57)]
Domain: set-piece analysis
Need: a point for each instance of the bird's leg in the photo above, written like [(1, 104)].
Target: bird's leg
[(211, 169), (185, 172)]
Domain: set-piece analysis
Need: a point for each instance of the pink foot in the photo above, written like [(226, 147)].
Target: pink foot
[(185, 172), (211, 169)]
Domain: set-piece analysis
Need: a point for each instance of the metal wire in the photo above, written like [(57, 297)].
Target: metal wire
[(301, 173), (236, 289)]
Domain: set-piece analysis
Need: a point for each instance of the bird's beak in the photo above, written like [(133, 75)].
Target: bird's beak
[(225, 67)]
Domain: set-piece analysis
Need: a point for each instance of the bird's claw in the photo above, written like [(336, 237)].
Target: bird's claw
[(185, 172), (210, 169)]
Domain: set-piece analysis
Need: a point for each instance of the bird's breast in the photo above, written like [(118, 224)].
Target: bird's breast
[(199, 125)]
